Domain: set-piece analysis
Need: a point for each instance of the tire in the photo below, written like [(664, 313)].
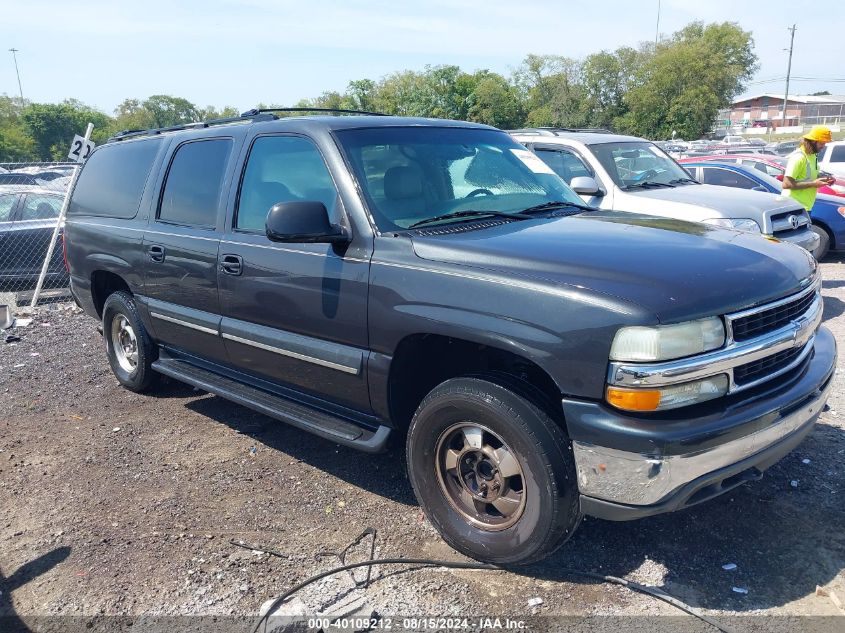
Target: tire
[(824, 242), (131, 361), (539, 505)]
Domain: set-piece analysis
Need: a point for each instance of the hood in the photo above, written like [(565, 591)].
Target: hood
[(708, 201), (676, 270)]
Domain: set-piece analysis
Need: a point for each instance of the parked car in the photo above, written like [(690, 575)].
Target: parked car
[(363, 277), (827, 214), (832, 159), (774, 166), (27, 220), (785, 148), (625, 173)]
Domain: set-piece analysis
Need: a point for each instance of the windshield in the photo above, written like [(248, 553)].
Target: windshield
[(638, 164), (412, 174)]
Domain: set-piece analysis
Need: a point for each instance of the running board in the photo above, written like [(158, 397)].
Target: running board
[(325, 425)]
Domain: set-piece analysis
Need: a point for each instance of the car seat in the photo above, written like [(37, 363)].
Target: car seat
[(403, 192)]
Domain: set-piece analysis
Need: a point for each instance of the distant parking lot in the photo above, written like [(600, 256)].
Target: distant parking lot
[(119, 504)]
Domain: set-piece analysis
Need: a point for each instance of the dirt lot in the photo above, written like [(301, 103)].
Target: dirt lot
[(119, 504)]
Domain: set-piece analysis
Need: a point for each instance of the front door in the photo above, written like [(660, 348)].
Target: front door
[(180, 250), (294, 314)]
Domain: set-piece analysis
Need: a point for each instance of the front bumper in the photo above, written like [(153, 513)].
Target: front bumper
[(805, 239), (630, 467)]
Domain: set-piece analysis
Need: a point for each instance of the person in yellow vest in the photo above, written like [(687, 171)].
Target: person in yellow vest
[(801, 179)]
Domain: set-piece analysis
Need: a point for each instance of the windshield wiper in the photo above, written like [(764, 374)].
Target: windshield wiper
[(547, 206), (648, 183), (681, 181), (468, 214)]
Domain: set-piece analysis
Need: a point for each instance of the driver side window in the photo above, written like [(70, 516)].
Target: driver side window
[(282, 169)]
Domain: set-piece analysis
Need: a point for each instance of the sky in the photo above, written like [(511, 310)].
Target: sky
[(242, 52)]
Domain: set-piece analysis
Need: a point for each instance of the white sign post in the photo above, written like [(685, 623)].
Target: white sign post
[(81, 147), (78, 153)]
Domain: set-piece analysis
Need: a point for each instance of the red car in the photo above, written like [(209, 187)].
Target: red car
[(772, 165)]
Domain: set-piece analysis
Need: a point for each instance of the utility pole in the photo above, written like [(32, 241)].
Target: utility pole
[(657, 28), (13, 51), (788, 71)]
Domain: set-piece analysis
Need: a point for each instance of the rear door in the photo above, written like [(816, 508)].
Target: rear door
[(294, 314), (180, 248)]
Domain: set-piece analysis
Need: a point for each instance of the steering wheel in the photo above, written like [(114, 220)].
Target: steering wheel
[(478, 192), (648, 173)]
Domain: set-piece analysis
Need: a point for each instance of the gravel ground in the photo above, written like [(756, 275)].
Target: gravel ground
[(113, 503)]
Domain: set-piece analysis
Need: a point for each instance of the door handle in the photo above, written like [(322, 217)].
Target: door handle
[(232, 264), (156, 253)]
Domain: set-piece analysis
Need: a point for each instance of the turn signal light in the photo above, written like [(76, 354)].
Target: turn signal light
[(841, 211), (633, 399)]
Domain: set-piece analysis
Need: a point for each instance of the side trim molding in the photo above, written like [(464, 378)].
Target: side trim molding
[(193, 326), (285, 352)]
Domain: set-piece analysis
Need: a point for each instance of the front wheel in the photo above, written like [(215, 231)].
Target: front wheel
[(493, 472), (824, 242)]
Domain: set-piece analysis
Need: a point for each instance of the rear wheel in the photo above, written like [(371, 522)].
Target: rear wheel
[(129, 347), (493, 472), (824, 242)]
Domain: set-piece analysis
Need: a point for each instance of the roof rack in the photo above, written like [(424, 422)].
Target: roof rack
[(256, 111), (256, 114), (556, 131)]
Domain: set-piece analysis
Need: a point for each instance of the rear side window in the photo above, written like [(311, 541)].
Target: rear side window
[(7, 203), (192, 190), (726, 178), (837, 154), (112, 181), (41, 207)]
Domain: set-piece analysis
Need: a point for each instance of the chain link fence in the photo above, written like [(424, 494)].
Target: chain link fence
[(31, 199)]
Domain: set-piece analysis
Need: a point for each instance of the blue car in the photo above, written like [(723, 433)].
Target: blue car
[(828, 213)]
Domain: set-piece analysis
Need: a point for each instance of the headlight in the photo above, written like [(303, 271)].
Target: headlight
[(740, 224), (663, 342), (671, 397)]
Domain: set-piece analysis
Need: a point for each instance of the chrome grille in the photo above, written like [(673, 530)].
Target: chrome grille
[(750, 372), (783, 224), (769, 318)]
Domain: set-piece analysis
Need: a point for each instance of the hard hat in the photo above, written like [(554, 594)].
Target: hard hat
[(818, 133)]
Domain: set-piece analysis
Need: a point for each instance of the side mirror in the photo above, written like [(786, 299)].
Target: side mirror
[(303, 222), (585, 185)]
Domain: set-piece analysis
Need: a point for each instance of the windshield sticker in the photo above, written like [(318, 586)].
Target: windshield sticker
[(530, 160)]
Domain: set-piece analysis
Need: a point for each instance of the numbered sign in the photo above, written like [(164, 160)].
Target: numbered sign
[(80, 149)]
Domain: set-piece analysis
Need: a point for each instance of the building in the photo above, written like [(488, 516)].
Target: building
[(766, 110)]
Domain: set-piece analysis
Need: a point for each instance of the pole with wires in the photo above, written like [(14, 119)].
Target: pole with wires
[(788, 72), (17, 72)]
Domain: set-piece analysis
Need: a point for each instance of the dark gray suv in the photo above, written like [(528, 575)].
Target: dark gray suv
[(365, 277)]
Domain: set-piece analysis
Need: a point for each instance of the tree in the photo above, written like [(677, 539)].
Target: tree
[(552, 91), (493, 101), (607, 77), (689, 77), (53, 126), (167, 111), (16, 145)]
